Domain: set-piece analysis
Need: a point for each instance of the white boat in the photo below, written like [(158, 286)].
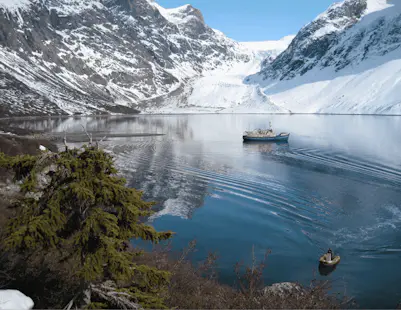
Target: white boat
[(265, 135)]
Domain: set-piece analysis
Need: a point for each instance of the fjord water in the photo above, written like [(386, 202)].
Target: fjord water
[(337, 183)]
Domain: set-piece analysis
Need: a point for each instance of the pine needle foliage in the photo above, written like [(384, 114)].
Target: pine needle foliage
[(84, 210)]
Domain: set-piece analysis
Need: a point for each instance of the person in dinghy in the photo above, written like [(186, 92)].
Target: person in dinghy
[(329, 259)]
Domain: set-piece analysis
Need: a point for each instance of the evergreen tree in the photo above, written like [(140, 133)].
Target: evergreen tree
[(75, 203)]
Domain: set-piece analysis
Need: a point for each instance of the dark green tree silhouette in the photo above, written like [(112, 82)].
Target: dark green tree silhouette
[(75, 202)]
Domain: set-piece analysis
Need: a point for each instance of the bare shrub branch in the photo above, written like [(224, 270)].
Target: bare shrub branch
[(89, 135)]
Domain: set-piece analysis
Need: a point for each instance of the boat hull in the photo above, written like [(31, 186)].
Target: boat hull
[(279, 138), (336, 260)]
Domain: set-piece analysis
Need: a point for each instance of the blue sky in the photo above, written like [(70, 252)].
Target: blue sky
[(256, 20)]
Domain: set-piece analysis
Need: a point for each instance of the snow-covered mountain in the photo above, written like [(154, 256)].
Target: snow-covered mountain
[(348, 60), (93, 56), (97, 56)]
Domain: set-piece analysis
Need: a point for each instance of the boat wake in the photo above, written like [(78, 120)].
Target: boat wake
[(343, 165), (368, 239)]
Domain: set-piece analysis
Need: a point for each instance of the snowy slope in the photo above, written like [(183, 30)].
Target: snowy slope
[(348, 60), (223, 90)]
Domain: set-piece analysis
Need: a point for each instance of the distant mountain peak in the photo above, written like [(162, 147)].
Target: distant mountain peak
[(179, 15)]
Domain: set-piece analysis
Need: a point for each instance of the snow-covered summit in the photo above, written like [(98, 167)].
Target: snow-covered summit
[(341, 15), (340, 8), (180, 14), (378, 5)]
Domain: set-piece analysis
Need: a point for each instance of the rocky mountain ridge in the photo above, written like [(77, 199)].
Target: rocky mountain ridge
[(71, 57)]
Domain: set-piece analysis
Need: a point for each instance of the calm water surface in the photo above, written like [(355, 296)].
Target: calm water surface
[(337, 183)]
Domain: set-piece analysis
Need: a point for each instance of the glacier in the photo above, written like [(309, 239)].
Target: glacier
[(223, 89)]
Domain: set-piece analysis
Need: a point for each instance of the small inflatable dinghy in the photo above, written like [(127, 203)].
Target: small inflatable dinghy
[(323, 260)]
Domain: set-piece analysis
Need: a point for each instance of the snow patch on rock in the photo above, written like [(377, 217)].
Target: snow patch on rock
[(13, 299)]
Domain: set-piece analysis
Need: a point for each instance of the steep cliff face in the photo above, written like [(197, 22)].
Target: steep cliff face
[(348, 60), (94, 56)]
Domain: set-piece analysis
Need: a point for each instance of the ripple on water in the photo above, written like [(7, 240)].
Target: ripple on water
[(346, 163)]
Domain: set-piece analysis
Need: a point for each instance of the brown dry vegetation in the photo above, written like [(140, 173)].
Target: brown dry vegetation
[(198, 287), (52, 285), (191, 287)]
